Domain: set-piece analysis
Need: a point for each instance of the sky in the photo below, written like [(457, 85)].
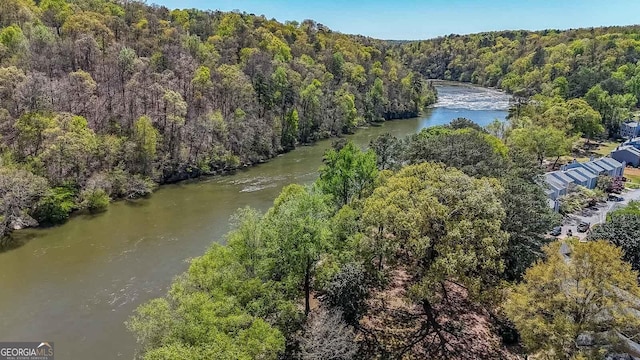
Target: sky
[(412, 19)]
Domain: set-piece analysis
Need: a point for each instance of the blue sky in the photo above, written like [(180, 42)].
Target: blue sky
[(412, 19)]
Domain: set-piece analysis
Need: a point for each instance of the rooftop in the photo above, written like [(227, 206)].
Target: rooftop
[(604, 164), (576, 175), (553, 182), (561, 176), (628, 148), (593, 167), (612, 162), (586, 173)]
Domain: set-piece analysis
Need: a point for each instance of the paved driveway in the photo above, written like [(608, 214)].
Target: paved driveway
[(596, 214)]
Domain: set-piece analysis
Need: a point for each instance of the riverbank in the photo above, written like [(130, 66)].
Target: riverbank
[(148, 186)]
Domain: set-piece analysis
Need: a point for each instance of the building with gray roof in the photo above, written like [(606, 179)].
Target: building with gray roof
[(559, 183), (629, 129), (627, 154), (578, 178)]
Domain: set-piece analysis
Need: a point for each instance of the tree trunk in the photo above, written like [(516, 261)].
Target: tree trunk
[(307, 287)]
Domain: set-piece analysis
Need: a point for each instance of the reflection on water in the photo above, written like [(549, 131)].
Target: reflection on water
[(76, 284)]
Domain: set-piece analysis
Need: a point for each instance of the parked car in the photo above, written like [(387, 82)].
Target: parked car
[(615, 198), (583, 227), (556, 231)]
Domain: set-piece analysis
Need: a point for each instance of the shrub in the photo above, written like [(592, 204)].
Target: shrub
[(126, 185), (138, 186), (56, 205), (580, 198), (94, 201), (348, 292), (605, 183)]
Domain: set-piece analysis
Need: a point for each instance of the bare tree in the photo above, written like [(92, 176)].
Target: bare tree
[(327, 337)]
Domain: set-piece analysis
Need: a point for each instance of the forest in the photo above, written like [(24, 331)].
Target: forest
[(581, 81), (103, 100)]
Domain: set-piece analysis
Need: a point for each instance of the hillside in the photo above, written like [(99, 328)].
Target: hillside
[(596, 64), (102, 99)]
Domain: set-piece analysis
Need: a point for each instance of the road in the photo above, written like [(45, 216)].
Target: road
[(597, 215)]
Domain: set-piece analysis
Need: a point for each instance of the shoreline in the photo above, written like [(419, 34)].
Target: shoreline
[(10, 242)]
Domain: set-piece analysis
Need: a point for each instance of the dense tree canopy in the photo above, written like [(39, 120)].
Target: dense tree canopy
[(91, 91), (20, 190), (472, 151), (442, 227), (591, 293), (622, 229), (590, 75), (465, 145), (208, 314)]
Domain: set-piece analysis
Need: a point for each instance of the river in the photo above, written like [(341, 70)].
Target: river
[(77, 283)]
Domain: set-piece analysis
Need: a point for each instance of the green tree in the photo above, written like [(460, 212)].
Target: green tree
[(55, 205), (375, 102), (296, 234), (445, 227), (347, 173), (347, 112), (622, 229), (464, 123), (348, 292), (17, 12), (32, 130), (388, 150), (420, 196), (337, 65), (146, 139), (542, 142), (584, 119), (559, 299), (205, 315), (246, 239), (201, 82), (474, 152), (55, 12), (68, 149), (10, 79), (528, 216), (310, 98), (561, 87), (497, 128), (290, 129), (94, 201), (13, 42), (175, 110)]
